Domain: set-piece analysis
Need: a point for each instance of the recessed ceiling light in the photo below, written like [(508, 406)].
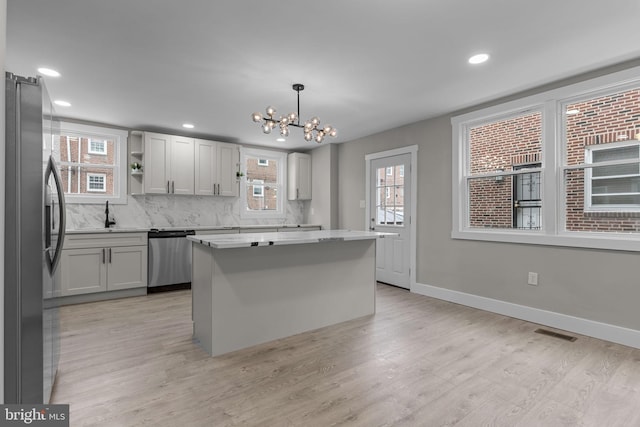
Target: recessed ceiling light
[(572, 112), (281, 140), (62, 103), (188, 125), (479, 58), (49, 72)]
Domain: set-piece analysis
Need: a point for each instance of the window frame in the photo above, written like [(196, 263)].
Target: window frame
[(281, 160), (97, 175), (553, 105), (120, 169), (102, 152), (588, 177), (263, 162)]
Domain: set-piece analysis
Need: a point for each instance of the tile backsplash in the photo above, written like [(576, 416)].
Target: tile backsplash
[(173, 211)]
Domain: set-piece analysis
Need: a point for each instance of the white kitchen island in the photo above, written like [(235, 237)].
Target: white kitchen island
[(252, 288)]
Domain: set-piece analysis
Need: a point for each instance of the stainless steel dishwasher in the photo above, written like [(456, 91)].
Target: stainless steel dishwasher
[(169, 260)]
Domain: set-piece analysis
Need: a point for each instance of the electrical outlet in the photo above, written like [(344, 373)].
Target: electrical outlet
[(533, 279)]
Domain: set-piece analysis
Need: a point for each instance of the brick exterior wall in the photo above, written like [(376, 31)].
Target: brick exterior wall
[(76, 150), (506, 144)]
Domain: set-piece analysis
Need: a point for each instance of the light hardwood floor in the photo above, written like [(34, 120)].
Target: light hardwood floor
[(417, 362)]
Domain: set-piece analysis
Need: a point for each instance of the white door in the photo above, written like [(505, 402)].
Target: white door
[(390, 211)]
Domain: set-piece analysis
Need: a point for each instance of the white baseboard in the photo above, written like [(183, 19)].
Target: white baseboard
[(604, 331)]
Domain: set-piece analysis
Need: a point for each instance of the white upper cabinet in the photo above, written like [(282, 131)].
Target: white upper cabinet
[(216, 164), (169, 164), (205, 171), (299, 176), (156, 174), (227, 166), (181, 162)]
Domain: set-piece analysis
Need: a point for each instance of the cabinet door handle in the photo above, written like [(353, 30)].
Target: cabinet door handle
[(297, 193), (168, 187), (218, 189), (173, 186), (103, 255), (109, 255)]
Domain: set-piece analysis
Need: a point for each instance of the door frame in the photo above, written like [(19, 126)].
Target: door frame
[(412, 150)]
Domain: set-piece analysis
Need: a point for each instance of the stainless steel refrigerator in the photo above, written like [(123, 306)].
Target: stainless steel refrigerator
[(34, 234)]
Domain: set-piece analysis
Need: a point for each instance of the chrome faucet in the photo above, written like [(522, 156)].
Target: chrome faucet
[(108, 222)]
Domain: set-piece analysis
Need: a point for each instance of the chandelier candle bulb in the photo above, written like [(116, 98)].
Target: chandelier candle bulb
[(293, 119)]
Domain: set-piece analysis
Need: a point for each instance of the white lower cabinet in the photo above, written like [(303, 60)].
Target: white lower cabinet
[(100, 263)]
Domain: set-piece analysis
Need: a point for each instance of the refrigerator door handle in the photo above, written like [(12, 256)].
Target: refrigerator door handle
[(55, 260)]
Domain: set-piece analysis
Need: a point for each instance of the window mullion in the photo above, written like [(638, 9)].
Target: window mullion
[(549, 176)]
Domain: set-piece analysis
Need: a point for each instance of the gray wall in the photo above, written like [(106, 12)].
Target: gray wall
[(593, 284), (3, 41)]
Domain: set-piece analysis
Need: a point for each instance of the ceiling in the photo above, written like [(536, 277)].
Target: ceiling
[(368, 65)]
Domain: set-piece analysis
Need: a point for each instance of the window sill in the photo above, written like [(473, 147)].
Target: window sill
[(611, 214), (610, 241)]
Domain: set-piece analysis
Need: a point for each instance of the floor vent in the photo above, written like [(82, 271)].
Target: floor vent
[(555, 334)]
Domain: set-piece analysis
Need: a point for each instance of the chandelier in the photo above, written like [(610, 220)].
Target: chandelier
[(311, 128)]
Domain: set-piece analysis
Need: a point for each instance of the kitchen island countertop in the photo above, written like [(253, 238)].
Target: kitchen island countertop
[(196, 228), (227, 241)]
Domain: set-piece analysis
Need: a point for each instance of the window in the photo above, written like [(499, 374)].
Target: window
[(97, 146), (558, 168), (402, 171), (258, 187), (390, 196), (616, 185), (602, 163), (508, 144), (96, 182), (263, 189), (92, 163), (527, 199)]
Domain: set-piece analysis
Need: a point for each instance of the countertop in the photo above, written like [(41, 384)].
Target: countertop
[(227, 241), (185, 227)]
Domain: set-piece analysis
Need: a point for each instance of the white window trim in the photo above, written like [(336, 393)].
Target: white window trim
[(97, 175), (281, 158), (119, 171), (553, 103), (98, 152)]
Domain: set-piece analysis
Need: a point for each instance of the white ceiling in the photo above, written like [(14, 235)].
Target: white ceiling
[(368, 65)]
